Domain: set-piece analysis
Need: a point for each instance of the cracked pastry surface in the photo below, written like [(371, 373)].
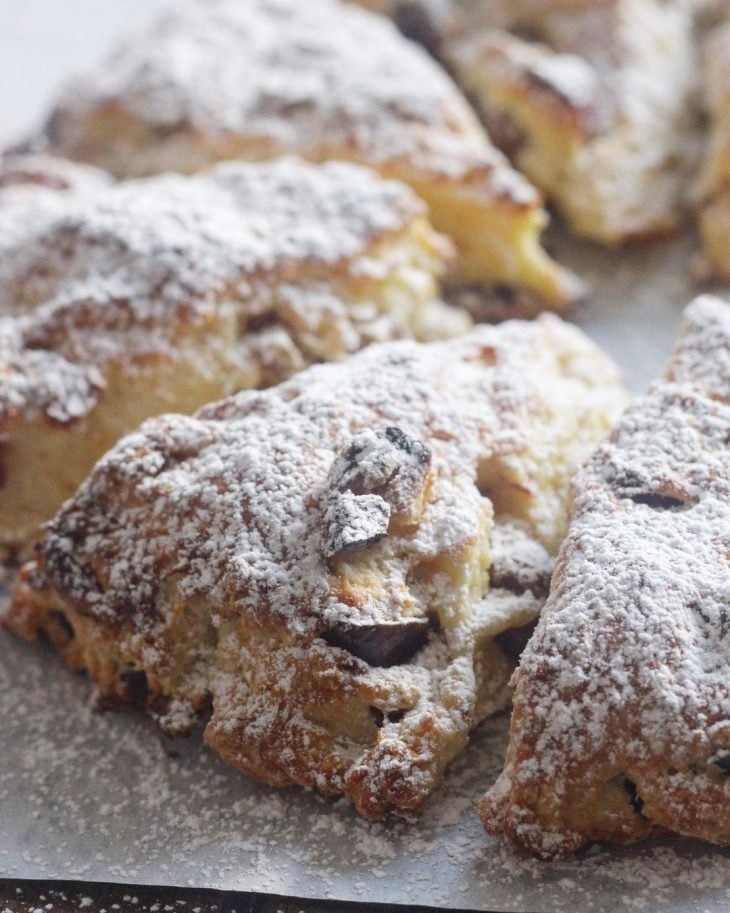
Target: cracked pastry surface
[(621, 720), (309, 566), (225, 79), (163, 294), (714, 190), (593, 101)]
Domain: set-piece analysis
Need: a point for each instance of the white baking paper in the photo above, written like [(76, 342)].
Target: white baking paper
[(106, 797)]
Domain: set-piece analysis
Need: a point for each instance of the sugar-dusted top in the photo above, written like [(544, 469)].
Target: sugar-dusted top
[(127, 272), (260, 77), (235, 503), (35, 188), (627, 672)]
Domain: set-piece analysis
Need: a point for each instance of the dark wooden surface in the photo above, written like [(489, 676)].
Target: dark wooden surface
[(75, 897)]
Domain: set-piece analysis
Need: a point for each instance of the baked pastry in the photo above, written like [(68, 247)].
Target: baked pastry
[(34, 188), (311, 563), (167, 293), (228, 79), (593, 101), (621, 720), (714, 215)]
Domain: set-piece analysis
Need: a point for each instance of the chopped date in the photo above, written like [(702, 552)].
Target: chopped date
[(380, 644)]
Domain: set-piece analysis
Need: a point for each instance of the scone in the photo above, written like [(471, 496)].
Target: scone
[(35, 188), (227, 79), (715, 180), (335, 572), (621, 721), (167, 293), (593, 101)]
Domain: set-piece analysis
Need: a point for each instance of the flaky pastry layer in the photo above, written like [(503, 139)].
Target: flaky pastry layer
[(337, 573)]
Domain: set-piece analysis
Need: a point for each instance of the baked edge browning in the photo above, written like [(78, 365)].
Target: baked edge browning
[(561, 118), (494, 215), (396, 773), (82, 406)]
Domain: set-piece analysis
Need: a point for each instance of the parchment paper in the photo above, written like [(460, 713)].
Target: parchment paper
[(106, 797)]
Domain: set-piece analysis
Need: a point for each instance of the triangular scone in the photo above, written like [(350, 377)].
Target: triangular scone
[(595, 106), (167, 293), (621, 720), (312, 562), (34, 188), (715, 179), (228, 79)]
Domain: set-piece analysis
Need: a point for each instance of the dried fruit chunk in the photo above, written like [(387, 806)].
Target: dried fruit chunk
[(234, 610), (387, 462), (354, 522), (385, 644), (519, 562), (429, 22), (722, 760)]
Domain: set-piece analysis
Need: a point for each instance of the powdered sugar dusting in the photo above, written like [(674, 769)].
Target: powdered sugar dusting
[(223, 79), (625, 680), (253, 466), (132, 272), (328, 541), (106, 797), (36, 188)]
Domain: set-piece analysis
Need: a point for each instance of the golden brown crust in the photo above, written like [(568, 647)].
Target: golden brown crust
[(313, 560), (167, 293), (621, 722), (253, 80), (598, 106)]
